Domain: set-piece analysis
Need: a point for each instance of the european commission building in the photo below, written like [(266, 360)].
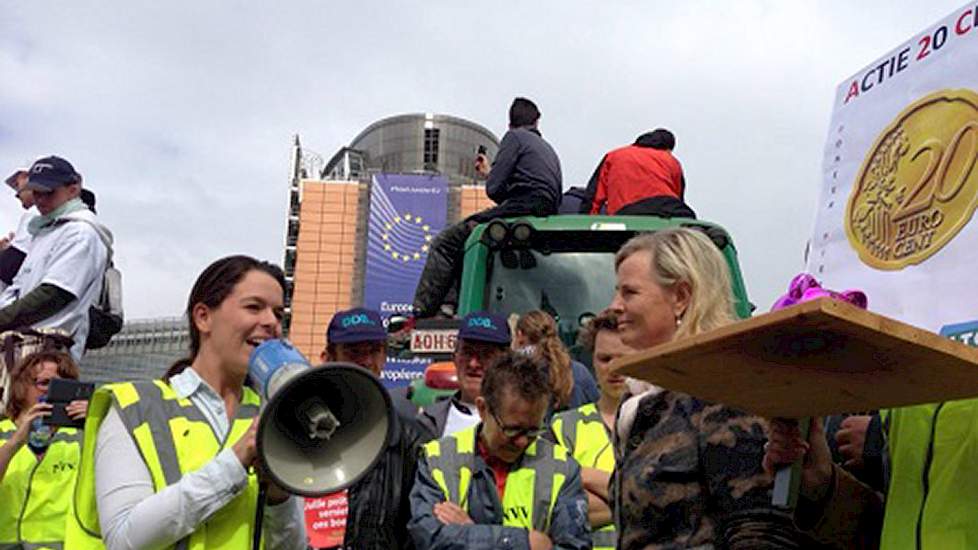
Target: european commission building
[(358, 228)]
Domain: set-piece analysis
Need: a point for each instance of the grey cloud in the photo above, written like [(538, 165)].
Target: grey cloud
[(180, 114)]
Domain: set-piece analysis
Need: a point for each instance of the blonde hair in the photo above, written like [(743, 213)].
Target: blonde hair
[(682, 255), (540, 330)]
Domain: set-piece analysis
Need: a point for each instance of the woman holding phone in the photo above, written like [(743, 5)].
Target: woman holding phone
[(171, 464), (37, 470)]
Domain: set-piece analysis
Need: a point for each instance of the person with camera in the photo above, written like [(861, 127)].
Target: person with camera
[(172, 464), (524, 180), (38, 463)]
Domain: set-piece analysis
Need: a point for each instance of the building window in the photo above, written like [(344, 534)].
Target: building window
[(294, 202), (293, 235), (289, 262), (431, 149)]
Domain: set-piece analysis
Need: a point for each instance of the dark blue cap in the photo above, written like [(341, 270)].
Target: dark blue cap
[(355, 325), (49, 173), (483, 326)]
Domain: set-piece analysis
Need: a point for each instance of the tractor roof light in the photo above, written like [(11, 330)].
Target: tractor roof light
[(521, 232), (497, 232)]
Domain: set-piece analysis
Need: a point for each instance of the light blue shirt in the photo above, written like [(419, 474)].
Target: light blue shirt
[(134, 516)]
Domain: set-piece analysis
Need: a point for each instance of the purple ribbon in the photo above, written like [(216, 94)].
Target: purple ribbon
[(805, 287)]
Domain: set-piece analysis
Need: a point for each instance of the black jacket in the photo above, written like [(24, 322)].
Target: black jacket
[(378, 505), (525, 166)]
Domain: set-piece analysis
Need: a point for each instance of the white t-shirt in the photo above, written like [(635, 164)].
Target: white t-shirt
[(71, 256), (458, 419), (22, 239)]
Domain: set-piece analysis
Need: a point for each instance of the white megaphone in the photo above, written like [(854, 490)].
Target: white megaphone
[(321, 428)]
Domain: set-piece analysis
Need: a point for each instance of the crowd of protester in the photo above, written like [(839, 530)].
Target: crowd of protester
[(532, 451)]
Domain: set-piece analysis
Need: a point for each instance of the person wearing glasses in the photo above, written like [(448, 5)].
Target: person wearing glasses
[(482, 337), (498, 484), (37, 474)]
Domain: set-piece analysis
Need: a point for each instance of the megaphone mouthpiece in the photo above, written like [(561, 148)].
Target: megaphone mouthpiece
[(321, 429), (320, 422)]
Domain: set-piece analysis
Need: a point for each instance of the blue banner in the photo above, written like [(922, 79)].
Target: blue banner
[(406, 212)]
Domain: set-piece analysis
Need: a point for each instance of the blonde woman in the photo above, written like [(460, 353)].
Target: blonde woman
[(689, 472)]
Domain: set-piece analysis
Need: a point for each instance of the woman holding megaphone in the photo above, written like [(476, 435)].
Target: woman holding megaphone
[(170, 464)]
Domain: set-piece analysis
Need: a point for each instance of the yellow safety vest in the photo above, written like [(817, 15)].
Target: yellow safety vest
[(174, 438), (531, 489), (930, 503), (34, 494), (583, 433)]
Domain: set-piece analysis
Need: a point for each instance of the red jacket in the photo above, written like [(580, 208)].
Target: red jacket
[(633, 173)]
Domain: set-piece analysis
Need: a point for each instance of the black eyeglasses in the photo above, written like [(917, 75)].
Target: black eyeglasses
[(514, 432)]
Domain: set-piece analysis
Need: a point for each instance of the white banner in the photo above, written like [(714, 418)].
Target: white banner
[(895, 216)]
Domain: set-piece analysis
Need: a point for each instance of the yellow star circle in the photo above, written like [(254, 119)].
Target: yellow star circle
[(408, 220)]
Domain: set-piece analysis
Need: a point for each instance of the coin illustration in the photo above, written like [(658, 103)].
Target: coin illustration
[(918, 186)]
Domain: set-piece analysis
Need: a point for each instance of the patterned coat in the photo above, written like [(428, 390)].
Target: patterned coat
[(689, 475)]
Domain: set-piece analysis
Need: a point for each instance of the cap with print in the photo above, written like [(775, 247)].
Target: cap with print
[(483, 326), (355, 325), (49, 173)]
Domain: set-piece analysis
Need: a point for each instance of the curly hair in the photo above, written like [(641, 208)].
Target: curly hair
[(521, 375), (540, 331), (22, 377), (607, 320)]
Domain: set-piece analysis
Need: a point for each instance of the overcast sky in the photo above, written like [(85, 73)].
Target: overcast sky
[(180, 114)]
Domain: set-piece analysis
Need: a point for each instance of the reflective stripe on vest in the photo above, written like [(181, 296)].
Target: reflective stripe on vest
[(174, 438), (583, 433), (531, 489), (35, 495)]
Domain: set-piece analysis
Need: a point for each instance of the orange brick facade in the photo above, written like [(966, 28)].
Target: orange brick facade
[(474, 199), (326, 276), (325, 260)]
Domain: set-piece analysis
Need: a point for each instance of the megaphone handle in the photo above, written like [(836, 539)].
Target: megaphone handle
[(788, 479), (259, 515)]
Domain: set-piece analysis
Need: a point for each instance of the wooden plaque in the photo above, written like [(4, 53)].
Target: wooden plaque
[(812, 359)]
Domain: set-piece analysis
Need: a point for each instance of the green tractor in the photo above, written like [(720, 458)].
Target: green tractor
[(564, 265)]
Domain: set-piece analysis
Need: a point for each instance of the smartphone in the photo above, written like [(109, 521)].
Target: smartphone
[(61, 392)]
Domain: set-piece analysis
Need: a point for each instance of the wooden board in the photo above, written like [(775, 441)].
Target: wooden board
[(816, 358)]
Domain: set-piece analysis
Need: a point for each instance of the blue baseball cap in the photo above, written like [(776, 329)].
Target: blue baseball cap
[(355, 325), (49, 173), (483, 326)]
